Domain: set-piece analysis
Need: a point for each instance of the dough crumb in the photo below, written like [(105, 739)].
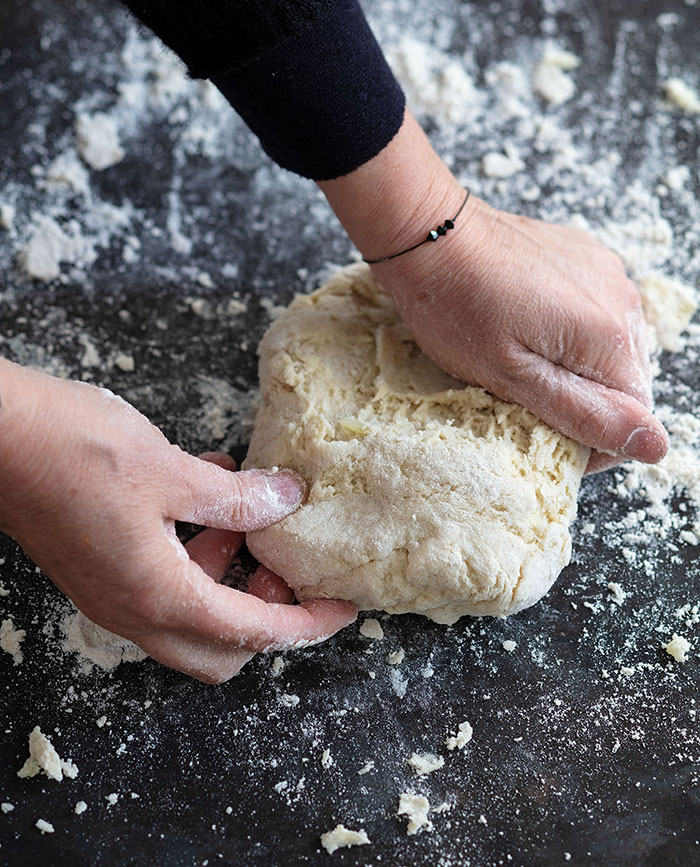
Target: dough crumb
[(549, 78), (617, 594), (48, 246), (7, 217), (343, 838), (415, 808), (326, 759), (677, 177), (288, 700), (502, 165), (44, 826), (277, 666), (462, 738), (125, 362), (509, 645), (112, 798), (677, 647), (366, 768), (7, 808), (397, 657), (372, 628), (97, 140), (425, 763), (80, 807), (682, 95), (10, 640), (43, 758)]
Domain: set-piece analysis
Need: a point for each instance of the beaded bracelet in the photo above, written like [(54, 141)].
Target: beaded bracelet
[(433, 235)]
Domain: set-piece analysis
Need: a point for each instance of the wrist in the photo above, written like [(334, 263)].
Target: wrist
[(392, 201)]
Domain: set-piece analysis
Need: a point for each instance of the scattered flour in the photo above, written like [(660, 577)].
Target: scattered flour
[(436, 84), (95, 645), (668, 306)]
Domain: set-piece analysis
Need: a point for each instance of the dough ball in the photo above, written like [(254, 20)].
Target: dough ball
[(426, 495)]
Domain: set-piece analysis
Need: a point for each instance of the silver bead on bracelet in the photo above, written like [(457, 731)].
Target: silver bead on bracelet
[(433, 235)]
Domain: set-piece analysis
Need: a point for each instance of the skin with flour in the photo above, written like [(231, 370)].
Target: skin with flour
[(572, 356)]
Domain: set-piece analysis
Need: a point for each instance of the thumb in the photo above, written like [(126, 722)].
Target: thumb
[(203, 493), (603, 418)]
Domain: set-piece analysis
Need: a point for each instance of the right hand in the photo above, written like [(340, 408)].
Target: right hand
[(538, 314), (91, 491)]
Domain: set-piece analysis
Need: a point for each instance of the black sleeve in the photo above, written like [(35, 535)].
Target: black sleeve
[(307, 76)]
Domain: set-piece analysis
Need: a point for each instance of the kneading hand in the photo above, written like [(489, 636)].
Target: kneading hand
[(91, 491), (538, 314)]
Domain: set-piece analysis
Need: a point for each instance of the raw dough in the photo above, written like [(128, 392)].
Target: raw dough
[(342, 837), (415, 808), (43, 758), (549, 78), (425, 495)]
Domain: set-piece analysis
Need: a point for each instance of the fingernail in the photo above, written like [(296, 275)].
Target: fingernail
[(645, 444), (289, 486)]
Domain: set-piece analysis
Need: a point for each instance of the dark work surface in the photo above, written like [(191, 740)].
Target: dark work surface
[(564, 761)]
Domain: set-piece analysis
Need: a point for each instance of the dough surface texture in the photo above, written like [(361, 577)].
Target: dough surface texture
[(426, 495)]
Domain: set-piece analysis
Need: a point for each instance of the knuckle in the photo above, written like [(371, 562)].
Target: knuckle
[(241, 508)]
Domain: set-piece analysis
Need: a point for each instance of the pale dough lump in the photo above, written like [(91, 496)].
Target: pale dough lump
[(426, 495)]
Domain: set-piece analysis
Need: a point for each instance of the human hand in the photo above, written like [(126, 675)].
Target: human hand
[(541, 315), (538, 314), (91, 491)]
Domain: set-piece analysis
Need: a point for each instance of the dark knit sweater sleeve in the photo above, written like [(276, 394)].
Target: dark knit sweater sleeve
[(307, 76)]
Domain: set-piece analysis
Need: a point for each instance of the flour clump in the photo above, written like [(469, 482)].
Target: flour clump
[(425, 495)]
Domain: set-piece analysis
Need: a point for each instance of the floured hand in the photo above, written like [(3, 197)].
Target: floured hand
[(91, 490)]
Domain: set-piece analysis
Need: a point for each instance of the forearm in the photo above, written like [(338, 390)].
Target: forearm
[(307, 76), (394, 199)]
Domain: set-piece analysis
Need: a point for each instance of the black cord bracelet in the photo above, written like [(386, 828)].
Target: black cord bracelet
[(433, 235)]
